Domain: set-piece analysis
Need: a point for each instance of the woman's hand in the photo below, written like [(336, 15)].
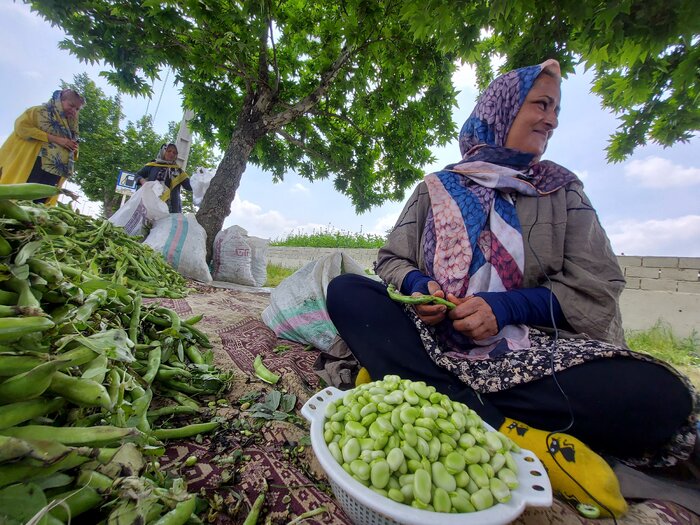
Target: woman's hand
[(431, 314), (473, 317), (64, 142)]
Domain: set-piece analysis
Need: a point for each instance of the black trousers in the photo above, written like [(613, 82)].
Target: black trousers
[(618, 406), (39, 176)]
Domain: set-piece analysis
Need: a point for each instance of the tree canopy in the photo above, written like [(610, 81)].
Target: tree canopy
[(361, 90), (106, 148)]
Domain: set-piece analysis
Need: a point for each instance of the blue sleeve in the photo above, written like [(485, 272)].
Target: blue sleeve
[(530, 306), (415, 281)]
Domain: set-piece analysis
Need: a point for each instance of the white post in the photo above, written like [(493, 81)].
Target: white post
[(184, 139)]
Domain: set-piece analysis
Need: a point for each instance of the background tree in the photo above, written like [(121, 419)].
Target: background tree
[(645, 54), (105, 148), (360, 90), (101, 142)]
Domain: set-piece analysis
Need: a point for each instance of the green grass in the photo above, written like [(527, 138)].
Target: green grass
[(660, 342), (331, 239), (276, 274)]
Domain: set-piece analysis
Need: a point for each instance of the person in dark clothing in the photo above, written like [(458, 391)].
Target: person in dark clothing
[(164, 169)]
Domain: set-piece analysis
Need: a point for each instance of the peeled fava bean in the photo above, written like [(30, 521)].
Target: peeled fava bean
[(415, 446)]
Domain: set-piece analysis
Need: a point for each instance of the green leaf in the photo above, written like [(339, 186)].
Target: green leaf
[(21, 272), (59, 479), (19, 503), (27, 251), (272, 400), (288, 403), (114, 343), (93, 285)]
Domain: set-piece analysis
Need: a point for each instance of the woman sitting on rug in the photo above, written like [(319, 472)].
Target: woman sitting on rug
[(535, 343)]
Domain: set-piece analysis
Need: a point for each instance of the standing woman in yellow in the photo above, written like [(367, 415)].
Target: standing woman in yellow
[(44, 144)]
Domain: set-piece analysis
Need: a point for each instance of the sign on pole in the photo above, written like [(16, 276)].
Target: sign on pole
[(126, 183)]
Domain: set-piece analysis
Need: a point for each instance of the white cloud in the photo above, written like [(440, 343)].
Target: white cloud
[(250, 216), (19, 10), (299, 188), (32, 74), (581, 174), (657, 172), (268, 224), (677, 237), (384, 223), (464, 77)]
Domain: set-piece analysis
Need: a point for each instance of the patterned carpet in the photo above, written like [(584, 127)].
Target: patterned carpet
[(234, 463)]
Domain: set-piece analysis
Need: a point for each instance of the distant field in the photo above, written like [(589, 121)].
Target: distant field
[(331, 239)]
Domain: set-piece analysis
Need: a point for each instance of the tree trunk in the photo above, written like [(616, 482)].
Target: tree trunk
[(216, 205), (110, 204)]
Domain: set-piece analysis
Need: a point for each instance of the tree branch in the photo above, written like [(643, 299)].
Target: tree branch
[(321, 112), (298, 143), (263, 73), (309, 101), (274, 57), (282, 118)]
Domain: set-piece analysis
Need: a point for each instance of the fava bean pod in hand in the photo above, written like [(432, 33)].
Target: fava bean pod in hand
[(417, 299)]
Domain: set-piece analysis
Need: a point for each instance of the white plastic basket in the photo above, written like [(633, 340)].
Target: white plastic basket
[(365, 507)]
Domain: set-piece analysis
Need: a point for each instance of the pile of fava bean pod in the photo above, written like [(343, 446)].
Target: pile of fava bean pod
[(90, 374)]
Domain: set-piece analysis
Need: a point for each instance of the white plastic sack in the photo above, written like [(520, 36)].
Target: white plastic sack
[(142, 209), (231, 257), (258, 258), (297, 309), (200, 180), (258, 255), (183, 243)]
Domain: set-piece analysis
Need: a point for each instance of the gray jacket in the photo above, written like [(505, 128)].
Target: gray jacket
[(563, 241)]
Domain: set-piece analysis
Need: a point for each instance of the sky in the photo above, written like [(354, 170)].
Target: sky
[(648, 204)]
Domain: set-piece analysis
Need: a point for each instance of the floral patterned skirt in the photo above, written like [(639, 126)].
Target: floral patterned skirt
[(545, 357)]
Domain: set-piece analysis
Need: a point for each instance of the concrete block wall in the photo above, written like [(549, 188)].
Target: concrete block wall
[(658, 288), (661, 288), (292, 257), (662, 274)]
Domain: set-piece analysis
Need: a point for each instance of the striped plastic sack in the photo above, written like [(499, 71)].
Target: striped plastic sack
[(183, 243), (297, 309)]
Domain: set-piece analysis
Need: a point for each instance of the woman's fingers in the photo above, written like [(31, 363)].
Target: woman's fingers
[(430, 314), (474, 318)]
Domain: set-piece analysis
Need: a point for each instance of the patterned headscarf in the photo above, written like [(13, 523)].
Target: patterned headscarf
[(472, 240), (56, 159), (498, 106)]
